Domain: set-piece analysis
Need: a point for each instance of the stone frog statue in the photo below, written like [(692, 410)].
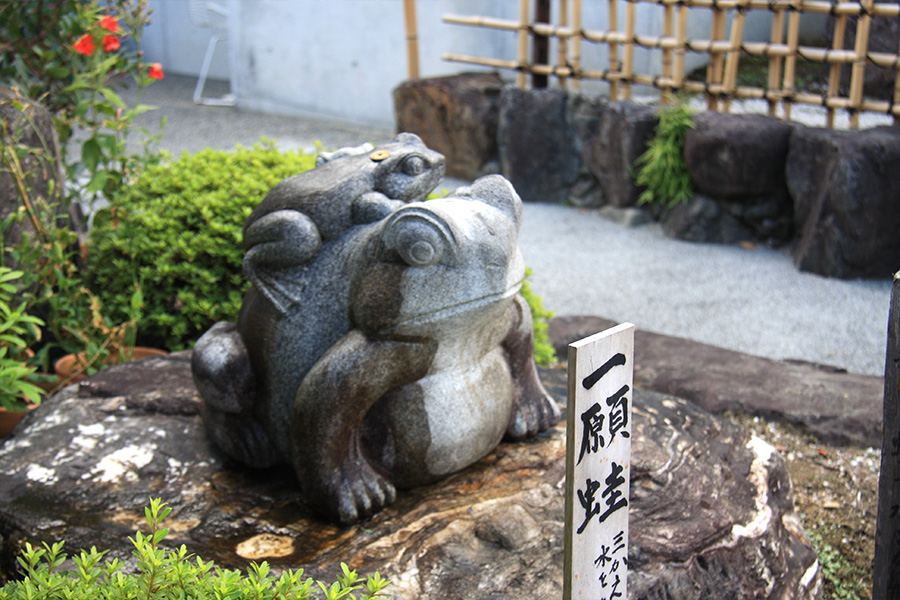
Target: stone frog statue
[(407, 356), (348, 187)]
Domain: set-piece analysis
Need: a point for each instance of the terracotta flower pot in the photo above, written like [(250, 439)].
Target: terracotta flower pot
[(66, 366), (10, 418)]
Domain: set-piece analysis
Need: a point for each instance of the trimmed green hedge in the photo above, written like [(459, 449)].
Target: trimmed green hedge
[(177, 232)]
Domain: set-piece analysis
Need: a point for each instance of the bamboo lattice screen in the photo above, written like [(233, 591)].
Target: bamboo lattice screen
[(724, 50)]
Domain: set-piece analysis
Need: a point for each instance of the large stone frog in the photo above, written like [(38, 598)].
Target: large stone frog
[(349, 187), (408, 356)]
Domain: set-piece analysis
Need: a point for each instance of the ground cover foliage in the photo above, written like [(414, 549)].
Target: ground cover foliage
[(166, 573)]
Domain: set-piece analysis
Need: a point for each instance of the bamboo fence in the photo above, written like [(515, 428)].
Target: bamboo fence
[(724, 50)]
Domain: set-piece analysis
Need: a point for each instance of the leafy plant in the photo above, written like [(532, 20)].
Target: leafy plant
[(544, 353), (177, 230), (842, 579), (70, 56), (661, 168), (73, 57), (164, 573), (47, 252), (16, 326)]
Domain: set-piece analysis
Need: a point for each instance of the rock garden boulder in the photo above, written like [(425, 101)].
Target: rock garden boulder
[(736, 163), (456, 116), (536, 144), (711, 510), (611, 136), (846, 201)]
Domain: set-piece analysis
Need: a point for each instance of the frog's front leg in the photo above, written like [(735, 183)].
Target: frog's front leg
[(223, 376), (534, 410), (280, 240), (373, 206), (339, 481)]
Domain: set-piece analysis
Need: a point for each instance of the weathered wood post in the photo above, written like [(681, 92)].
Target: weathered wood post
[(598, 464), (886, 578)]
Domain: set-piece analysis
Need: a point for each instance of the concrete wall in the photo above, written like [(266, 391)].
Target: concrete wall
[(342, 58)]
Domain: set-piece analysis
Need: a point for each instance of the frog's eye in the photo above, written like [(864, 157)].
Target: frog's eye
[(420, 239), (414, 165)]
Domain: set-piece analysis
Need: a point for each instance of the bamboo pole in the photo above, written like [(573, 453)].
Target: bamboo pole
[(628, 65), (897, 87), (716, 62), (613, 55), (563, 42), (576, 44), (790, 63), (734, 55), (857, 71), (412, 39), (680, 40), (834, 72), (668, 26), (522, 57), (773, 81)]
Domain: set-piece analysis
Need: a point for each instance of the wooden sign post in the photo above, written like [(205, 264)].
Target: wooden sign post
[(886, 576), (598, 464)]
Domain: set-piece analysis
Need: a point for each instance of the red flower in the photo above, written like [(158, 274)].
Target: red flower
[(110, 43), (156, 71), (110, 23), (85, 45)]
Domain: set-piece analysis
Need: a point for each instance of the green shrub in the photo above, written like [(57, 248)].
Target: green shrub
[(177, 232), (661, 168), (164, 573), (544, 354)]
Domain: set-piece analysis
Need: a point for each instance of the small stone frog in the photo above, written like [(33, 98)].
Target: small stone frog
[(348, 187), (408, 357)]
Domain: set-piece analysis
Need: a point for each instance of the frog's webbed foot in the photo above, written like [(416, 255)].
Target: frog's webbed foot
[(339, 481), (351, 491), (279, 241), (224, 378), (534, 410)]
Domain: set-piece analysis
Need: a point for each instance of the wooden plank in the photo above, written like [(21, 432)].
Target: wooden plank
[(598, 465), (540, 44), (886, 576)]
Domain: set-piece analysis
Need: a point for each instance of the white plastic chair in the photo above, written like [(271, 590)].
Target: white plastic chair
[(215, 17)]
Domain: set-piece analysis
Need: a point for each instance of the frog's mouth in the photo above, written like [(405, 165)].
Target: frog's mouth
[(447, 312)]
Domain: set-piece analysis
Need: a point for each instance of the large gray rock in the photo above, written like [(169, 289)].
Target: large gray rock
[(537, 145), (610, 137), (360, 335), (833, 405), (702, 219), (711, 512), (736, 163), (456, 116), (737, 156), (846, 201)]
